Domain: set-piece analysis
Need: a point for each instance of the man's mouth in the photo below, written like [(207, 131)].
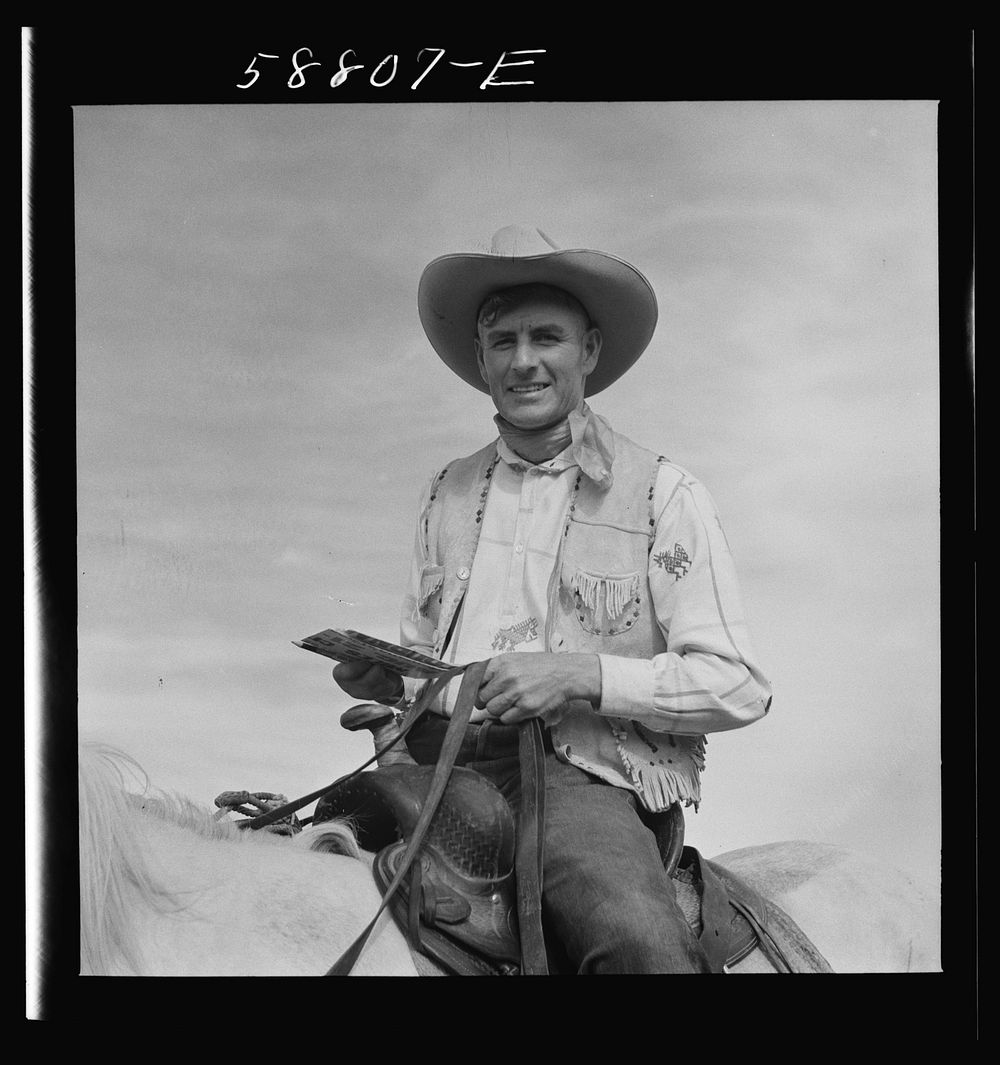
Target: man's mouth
[(522, 390)]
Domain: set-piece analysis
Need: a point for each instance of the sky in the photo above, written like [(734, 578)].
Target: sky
[(258, 410)]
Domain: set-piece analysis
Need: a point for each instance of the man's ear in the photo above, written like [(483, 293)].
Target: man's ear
[(592, 341)]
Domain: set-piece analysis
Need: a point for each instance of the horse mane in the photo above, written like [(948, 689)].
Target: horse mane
[(113, 865), (116, 877)]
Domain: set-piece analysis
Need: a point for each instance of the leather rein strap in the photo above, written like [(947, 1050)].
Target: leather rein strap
[(426, 697), (528, 857), (471, 681), (529, 853)]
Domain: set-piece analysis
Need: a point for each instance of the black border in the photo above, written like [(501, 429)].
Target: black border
[(187, 64)]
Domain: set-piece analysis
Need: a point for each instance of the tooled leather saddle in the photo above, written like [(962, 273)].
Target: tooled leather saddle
[(458, 904)]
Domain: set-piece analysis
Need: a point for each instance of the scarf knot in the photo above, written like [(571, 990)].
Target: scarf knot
[(585, 432)]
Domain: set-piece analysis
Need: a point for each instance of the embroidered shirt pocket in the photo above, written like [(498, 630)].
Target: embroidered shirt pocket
[(605, 604)]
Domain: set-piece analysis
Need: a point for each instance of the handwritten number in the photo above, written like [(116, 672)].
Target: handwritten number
[(440, 52), (251, 69), (341, 76), (298, 72), (298, 78), (395, 63)]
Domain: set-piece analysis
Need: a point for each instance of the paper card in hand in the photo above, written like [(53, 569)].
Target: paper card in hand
[(350, 646)]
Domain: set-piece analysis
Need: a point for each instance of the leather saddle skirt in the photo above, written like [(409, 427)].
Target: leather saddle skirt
[(460, 896)]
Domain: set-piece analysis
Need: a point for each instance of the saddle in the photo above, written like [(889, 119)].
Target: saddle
[(458, 905), (459, 902)]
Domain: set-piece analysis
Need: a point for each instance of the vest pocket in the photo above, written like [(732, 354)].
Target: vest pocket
[(431, 582), (604, 604)]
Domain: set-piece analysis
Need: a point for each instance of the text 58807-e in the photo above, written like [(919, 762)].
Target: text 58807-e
[(383, 71)]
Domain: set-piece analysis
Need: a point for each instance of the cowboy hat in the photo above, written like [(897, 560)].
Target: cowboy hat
[(618, 298)]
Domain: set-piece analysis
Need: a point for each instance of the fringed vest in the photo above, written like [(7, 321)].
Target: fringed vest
[(598, 602)]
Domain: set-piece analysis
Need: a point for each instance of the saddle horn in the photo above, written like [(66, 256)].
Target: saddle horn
[(381, 722)]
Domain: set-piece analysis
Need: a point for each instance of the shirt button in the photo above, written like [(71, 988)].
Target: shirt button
[(519, 548), (463, 574)]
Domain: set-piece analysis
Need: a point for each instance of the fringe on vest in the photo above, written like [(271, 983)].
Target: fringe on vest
[(646, 757), (662, 768), (618, 591)]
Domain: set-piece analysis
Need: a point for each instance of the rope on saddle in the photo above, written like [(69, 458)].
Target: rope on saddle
[(254, 803)]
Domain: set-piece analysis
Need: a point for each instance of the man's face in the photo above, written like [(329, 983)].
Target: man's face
[(535, 357)]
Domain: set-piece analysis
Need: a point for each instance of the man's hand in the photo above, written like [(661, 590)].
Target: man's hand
[(523, 685), (369, 681)]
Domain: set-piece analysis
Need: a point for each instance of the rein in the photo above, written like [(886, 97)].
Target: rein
[(528, 857), (471, 681), (426, 697)]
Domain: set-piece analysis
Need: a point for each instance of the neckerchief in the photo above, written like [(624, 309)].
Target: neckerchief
[(587, 435)]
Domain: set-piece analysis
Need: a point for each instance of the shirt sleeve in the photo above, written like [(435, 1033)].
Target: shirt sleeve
[(708, 679)]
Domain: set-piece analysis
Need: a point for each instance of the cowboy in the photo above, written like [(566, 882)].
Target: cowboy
[(594, 576)]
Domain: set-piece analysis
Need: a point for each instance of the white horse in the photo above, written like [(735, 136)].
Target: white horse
[(167, 890)]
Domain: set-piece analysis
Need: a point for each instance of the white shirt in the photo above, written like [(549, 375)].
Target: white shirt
[(708, 680)]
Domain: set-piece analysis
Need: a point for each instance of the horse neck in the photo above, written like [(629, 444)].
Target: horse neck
[(264, 905), (240, 906), (162, 894), (143, 863)]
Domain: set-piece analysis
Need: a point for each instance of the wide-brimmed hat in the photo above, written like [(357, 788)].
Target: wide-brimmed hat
[(618, 298)]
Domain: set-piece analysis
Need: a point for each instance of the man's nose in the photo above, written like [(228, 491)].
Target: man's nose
[(525, 356)]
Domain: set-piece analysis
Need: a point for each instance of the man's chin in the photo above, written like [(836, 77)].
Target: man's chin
[(533, 423), (532, 415)]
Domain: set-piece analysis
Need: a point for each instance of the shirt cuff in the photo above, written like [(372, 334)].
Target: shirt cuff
[(626, 686)]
